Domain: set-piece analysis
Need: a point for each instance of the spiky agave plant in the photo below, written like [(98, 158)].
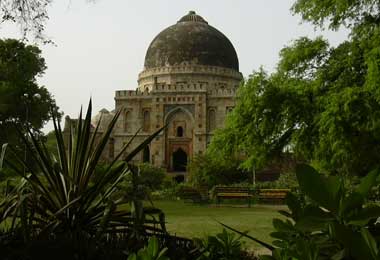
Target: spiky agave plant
[(61, 196)]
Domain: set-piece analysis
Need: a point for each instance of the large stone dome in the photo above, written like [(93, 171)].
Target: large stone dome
[(191, 41)]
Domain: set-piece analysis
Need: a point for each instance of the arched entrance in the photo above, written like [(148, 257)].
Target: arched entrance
[(179, 160), (179, 139)]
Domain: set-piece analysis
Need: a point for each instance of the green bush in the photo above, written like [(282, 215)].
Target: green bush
[(169, 190), (286, 180), (152, 177), (222, 246), (148, 179), (151, 252), (205, 170)]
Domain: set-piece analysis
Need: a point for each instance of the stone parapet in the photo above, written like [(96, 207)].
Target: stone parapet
[(166, 89), (131, 93), (191, 69), (222, 93)]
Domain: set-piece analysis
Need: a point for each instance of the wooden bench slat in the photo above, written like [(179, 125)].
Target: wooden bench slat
[(233, 193), (272, 194)]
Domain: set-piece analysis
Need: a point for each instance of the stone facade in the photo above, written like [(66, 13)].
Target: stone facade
[(190, 97)]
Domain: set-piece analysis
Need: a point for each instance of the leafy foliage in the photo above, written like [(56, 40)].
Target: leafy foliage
[(62, 197), (287, 180), (321, 104), (20, 65), (337, 12), (329, 222), (257, 128), (23, 103), (222, 246), (207, 170), (151, 177), (150, 252), (147, 179)]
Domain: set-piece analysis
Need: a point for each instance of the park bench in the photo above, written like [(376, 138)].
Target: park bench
[(272, 195), (233, 193), (196, 195)]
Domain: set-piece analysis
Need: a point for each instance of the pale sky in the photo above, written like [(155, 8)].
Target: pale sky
[(100, 47)]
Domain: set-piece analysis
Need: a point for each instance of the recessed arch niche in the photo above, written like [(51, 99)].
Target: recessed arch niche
[(179, 139)]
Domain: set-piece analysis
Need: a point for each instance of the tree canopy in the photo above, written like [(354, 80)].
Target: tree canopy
[(337, 13), (30, 15), (322, 103), (22, 100)]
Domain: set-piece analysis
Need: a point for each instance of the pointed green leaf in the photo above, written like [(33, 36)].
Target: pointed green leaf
[(326, 191), (363, 216), (270, 247), (368, 182), (371, 242), (354, 242)]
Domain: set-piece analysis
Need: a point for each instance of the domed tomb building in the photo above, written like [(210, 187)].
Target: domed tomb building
[(190, 77)]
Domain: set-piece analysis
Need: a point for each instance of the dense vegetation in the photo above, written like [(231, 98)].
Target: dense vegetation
[(59, 200), (208, 171), (321, 103), (23, 102), (330, 222)]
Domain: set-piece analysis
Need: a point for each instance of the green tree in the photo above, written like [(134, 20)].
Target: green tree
[(22, 101), (207, 170), (321, 103), (337, 13)]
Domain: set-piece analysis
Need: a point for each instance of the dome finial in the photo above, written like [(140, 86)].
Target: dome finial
[(192, 17)]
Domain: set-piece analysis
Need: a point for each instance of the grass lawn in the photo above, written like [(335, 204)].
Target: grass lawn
[(192, 220)]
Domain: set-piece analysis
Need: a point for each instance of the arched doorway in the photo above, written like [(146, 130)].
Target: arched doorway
[(178, 139), (179, 160)]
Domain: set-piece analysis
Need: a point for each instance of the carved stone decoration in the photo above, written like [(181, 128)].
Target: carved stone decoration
[(170, 107)]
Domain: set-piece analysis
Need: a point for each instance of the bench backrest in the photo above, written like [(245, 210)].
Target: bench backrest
[(232, 190), (274, 190)]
